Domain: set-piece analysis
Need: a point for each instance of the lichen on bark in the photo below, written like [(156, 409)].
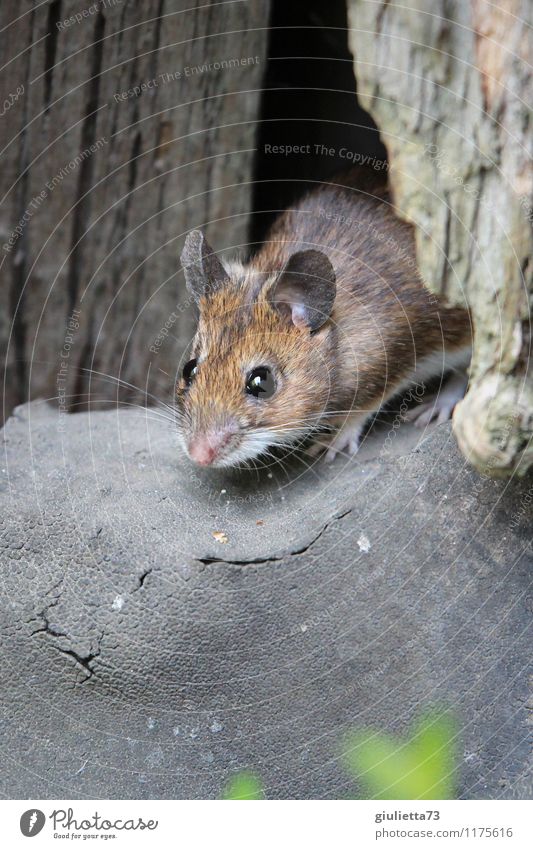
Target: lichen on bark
[(447, 83)]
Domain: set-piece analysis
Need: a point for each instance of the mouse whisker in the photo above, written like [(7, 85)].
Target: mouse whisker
[(80, 402), (275, 461), (296, 424), (120, 382)]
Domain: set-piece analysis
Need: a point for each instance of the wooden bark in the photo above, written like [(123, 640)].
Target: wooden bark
[(448, 83), (93, 280)]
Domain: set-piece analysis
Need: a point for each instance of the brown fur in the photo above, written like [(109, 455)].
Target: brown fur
[(232, 338), (384, 320)]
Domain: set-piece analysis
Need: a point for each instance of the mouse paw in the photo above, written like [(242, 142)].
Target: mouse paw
[(315, 450), (430, 411), (341, 443), (346, 441), (440, 408)]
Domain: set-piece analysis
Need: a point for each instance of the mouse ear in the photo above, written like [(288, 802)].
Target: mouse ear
[(306, 289), (204, 273)]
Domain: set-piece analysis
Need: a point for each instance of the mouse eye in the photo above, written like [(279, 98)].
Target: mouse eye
[(189, 371), (260, 383)]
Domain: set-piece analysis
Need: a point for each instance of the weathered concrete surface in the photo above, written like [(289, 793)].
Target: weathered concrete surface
[(135, 666)]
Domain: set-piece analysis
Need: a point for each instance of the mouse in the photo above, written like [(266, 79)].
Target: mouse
[(307, 340)]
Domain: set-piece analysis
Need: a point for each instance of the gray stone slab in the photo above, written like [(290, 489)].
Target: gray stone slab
[(163, 626)]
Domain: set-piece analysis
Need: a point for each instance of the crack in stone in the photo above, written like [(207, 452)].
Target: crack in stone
[(142, 578), (207, 561), (83, 660)]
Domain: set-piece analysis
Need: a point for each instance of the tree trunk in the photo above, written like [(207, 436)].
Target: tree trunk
[(447, 83), (133, 123)]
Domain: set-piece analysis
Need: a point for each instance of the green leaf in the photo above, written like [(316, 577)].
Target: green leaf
[(421, 767), (244, 785)]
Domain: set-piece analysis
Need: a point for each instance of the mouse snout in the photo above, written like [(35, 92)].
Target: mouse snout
[(206, 448)]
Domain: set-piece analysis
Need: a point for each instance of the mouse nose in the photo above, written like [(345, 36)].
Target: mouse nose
[(205, 448), (202, 451)]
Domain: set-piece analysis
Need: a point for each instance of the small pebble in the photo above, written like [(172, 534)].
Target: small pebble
[(364, 543), (220, 536)]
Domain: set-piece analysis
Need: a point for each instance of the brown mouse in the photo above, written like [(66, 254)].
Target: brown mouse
[(323, 326)]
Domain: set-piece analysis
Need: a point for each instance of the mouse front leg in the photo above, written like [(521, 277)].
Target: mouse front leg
[(344, 441), (347, 439), (441, 407)]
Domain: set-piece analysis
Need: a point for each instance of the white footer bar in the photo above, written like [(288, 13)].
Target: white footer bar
[(307, 824)]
